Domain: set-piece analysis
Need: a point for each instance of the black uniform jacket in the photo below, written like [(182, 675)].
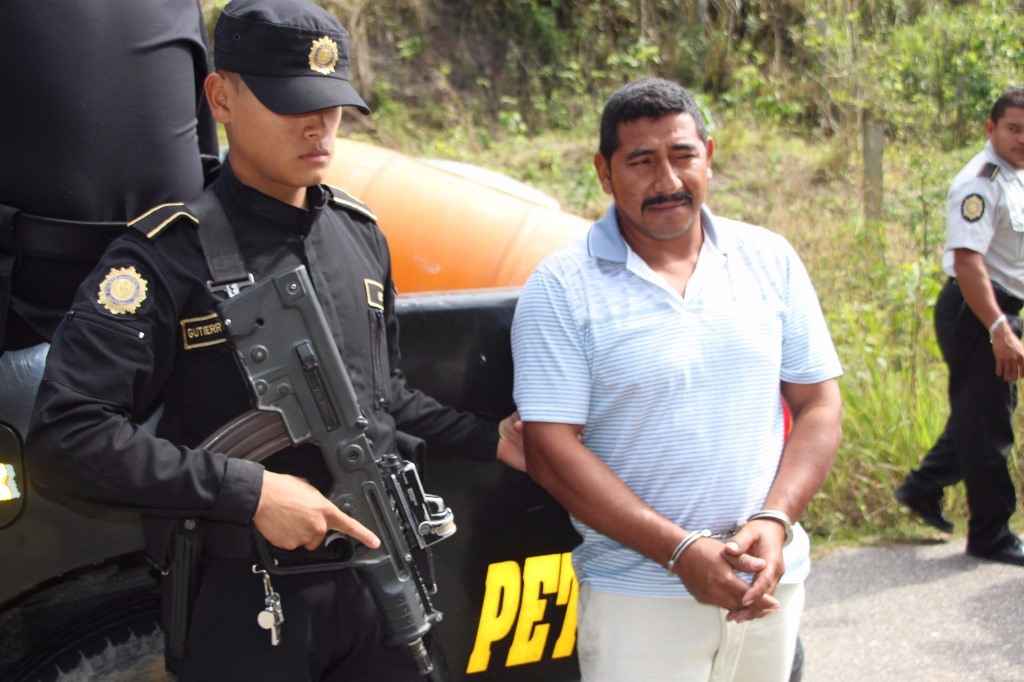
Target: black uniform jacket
[(143, 329)]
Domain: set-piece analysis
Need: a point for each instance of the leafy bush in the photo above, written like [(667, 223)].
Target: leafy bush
[(941, 74)]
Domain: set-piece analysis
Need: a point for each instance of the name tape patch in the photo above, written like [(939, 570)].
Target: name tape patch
[(199, 332)]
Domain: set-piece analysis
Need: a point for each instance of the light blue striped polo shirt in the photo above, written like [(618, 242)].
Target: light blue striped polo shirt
[(679, 395)]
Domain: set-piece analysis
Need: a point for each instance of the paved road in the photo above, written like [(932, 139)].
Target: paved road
[(913, 613)]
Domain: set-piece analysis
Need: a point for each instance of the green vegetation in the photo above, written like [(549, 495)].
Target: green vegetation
[(516, 86)]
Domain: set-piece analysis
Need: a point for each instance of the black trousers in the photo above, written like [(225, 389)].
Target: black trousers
[(332, 630), (978, 435)]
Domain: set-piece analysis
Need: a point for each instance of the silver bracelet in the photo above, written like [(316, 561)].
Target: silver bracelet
[(776, 516), (681, 547), (995, 325)]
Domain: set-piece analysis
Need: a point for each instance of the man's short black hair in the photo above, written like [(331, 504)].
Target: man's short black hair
[(645, 98), (1013, 97)]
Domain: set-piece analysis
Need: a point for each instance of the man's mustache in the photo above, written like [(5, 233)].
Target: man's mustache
[(681, 195)]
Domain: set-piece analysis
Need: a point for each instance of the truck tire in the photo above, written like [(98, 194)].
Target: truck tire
[(136, 659), (102, 625)]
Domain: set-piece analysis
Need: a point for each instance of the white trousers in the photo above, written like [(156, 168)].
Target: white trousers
[(623, 638)]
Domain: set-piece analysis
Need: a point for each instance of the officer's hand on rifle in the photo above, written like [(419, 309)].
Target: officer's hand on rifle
[(292, 513)]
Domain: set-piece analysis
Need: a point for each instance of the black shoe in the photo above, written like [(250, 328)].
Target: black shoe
[(1013, 553), (930, 511)]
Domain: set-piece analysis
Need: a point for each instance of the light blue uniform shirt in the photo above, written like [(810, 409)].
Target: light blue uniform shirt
[(679, 395), (986, 214)]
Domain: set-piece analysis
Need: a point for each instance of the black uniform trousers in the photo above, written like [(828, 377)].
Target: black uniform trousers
[(978, 435), (332, 631)]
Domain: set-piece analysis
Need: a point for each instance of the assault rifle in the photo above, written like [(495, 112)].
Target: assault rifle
[(303, 394)]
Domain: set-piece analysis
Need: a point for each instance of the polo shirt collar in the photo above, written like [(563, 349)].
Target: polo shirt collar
[(605, 241)]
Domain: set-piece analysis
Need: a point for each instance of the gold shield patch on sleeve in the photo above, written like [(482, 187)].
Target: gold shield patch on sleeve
[(972, 208), (122, 291)]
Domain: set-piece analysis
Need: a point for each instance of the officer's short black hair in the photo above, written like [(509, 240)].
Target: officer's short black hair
[(292, 54), (645, 98), (1014, 97)]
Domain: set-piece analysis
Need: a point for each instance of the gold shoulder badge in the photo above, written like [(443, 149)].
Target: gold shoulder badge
[(122, 291), (323, 55), (972, 208), (374, 294)]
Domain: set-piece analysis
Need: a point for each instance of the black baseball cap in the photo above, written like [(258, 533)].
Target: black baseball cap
[(292, 54)]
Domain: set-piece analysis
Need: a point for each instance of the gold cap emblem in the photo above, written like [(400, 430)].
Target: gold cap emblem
[(122, 291), (972, 208), (323, 55)]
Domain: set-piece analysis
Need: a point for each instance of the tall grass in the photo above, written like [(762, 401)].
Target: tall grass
[(877, 282)]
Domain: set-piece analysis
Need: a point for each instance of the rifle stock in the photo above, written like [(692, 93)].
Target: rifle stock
[(303, 394)]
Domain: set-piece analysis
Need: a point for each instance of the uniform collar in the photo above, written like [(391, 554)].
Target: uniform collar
[(268, 210), (605, 239)]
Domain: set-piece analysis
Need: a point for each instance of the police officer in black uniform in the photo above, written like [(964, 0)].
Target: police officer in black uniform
[(143, 328), (978, 328), (103, 117)]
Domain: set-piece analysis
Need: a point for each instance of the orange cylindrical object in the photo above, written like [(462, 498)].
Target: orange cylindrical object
[(446, 231)]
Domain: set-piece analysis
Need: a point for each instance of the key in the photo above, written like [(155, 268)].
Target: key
[(272, 615)]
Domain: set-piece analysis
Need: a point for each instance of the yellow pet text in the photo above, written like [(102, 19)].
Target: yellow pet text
[(518, 597)]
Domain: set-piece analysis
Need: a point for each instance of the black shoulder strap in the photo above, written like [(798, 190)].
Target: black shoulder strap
[(989, 170), (220, 247), (345, 200), (153, 222)]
